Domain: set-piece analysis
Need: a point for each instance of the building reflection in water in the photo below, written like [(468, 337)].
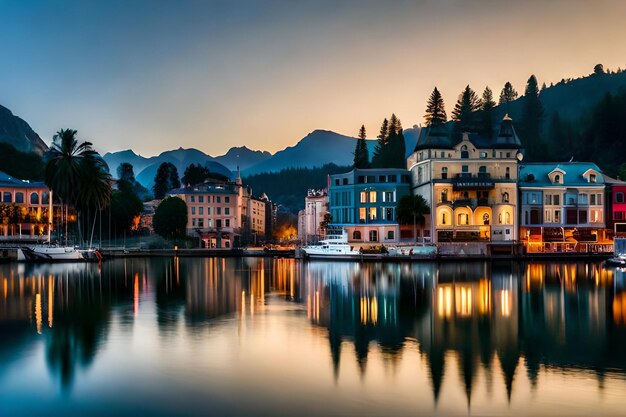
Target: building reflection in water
[(497, 319)]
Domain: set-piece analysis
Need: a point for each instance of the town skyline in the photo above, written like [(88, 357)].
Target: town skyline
[(214, 76)]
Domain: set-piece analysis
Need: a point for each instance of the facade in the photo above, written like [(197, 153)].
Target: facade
[(615, 202), (309, 219), (254, 218), (470, 183), (214, 212), (25, 208), (364, 202), (562, 204)]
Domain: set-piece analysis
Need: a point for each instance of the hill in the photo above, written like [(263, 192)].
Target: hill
[(243, 157), (17, 133)]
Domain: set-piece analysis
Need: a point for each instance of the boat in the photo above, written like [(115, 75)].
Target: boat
[(619, 253), (335, 246), (49, 253)]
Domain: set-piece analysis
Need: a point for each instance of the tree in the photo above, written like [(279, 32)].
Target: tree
[(125, 172), (77, 174), (125, 208), (411, 209), (383, 138), (195, 174), (507, 95), (464, 112), (396, 148), (361, 153), (532, 120), (170, 218), (487, 115), (165, 180), (598, 69), (328, 219), (435, 110)]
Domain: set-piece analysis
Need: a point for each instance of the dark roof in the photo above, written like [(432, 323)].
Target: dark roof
[(507, 138), (8, 181), (434, 137)]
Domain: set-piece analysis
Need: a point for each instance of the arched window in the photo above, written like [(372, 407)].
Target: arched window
[(482, 169), (464, 152), (507, 218), (356, 235), (486, 219), (444, 173), (557, 179), (444, 196), (505, 197), (444, 218), (34, 198), (19, 198), (373, 235), (7, 197)]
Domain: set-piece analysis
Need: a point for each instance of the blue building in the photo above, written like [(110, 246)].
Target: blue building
[(364, 202)]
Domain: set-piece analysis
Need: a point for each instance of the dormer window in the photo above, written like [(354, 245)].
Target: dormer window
[(592, 177), (557, 179), (464, 152)]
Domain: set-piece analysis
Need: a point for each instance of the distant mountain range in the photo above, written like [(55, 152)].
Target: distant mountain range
[(19, 134)]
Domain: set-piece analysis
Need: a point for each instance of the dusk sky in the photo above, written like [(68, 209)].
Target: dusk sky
[(156, 75)]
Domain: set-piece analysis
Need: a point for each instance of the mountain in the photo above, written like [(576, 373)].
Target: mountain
[(145, 168), (19, 134), (242, 156)]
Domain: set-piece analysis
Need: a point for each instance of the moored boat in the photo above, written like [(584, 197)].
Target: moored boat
[(619, 253), (335, 246)]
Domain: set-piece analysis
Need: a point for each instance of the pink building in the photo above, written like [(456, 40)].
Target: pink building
[(24, 208)]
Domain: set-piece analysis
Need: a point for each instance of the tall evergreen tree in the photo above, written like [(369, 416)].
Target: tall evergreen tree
[(435, 110), (487, 115), (507, 95), (532, 120), (361, 153), (464, 112), (383, 138), (396, 149), (165, 179)]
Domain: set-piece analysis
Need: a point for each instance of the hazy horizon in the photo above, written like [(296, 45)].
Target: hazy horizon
[(155, 75)]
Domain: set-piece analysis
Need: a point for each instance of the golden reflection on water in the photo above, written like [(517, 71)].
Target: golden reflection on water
[(480, 337)]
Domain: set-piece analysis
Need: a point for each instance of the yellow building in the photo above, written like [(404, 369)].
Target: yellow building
[(470, 183)]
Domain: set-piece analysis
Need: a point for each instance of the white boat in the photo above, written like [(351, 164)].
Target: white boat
[(619, 253), (335, 246), (46, 253)]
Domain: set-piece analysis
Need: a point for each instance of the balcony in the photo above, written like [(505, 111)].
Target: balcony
[(466, 181)]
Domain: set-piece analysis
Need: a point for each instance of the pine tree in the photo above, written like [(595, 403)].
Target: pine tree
[(394, 153), (508, 94), (464, 112), (361, 154), (435, 110), (379, 150), (487, 115), (532, 120), (165, 179)]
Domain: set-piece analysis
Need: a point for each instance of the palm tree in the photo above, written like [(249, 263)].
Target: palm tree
[(77, 174), (411, 209)]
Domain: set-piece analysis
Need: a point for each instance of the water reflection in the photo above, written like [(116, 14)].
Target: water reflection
[(483, 323)]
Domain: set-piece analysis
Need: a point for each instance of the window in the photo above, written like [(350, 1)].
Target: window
[(465, 169), (226, 199), (483, 154), (557, 179), (388, 197), (193, 211), (444, 196), (337, 181), (486, 219), (193, 222), (373, 235), (218, 211), (508, 154), (507, 174), (464, 154), (372, 196), (617, 215), (592, 177), (582, 217), (193, 198), (391, 178), (361, 179), (227, 222), (345, 181), (535, 216), (200, 199), (382, 178), (619, 197), (200, 222), (463, 219), (372, 213), (218, 223), (592, 199), (45, 198), (444, 173), (443, 154), (505, 197), (370, 179), (389, 214), (363, 197), (227, 210), (8, 198), (419, 175), (356, 235), (208, 211), (19, 198), (34, 198), (482, 169), (362, 214), (390, 235), (201, 211), (557, 216), (227, 244), (444, 218)]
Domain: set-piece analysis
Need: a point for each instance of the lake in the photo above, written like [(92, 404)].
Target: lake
[(280, 337)]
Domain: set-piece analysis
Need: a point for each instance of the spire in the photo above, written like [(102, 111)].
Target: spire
[(238, 180)]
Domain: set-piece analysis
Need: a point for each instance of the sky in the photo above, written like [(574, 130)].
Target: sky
[(155, 75)]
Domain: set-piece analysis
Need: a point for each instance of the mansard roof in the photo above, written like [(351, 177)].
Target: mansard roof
[(537, 174)]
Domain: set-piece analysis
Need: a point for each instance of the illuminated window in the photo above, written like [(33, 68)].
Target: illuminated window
[(372, 213), (485, 219), (372, 196), (463, 219), (363, 197), (362, 214)]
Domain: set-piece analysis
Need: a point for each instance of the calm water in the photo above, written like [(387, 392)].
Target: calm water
[(279, 337)]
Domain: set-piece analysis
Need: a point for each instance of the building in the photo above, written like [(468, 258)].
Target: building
[(364, 202), (470, 183), (615, 206), (309, 219), (562, 204), (254, 217), (25, 208), (214, 212)]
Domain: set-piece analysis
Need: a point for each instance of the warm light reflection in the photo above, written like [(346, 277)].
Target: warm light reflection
[(38, 318), (463, 296), (505, 303), (619, 309), (136, 294), (50, 300), (484, 301)]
